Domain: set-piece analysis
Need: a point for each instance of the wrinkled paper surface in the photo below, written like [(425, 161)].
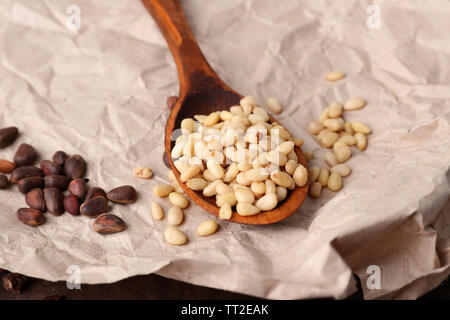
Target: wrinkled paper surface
[(100, 91)]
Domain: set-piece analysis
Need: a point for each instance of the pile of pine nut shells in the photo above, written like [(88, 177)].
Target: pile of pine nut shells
[(333, 132)]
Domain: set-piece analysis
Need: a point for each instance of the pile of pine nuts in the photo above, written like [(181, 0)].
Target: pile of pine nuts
[(333, 132), (239, 157)]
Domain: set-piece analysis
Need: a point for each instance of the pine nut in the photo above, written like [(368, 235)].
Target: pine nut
[(286, 147), (181, 165), (174, 236), (315, 190), (247, 108), (157, 211), (334, 75), (330, 158), (225, 115), (360, 127), (248, 99), (225, 212), (348, 128), (300, 176), (323, 176), (216, 169), (261, 112), (270, 186), (281, 193), (188, 124), (246, 209), (209, 176), (315, 127), (334, 124), (335, 182), (293, 156), (196, 184), (189, 173), (256, 174), (244, 166), (281, 178), (244, 195), (290, 167), (143, 172), (267, 202), (242, 180), (335, 110), (329, 138), (237, 110), (258, 188), (229, 198), (343, 169), (274, 105), (177, 151), (175, 216), (348, 140), (361, 141), (210, 189), (207, 228), (211, 120), (178, 200), (280, 132), (231, 173), (223, 188), (314, 173), (162, 190), (343, 153), (277, 158), (354, 104)]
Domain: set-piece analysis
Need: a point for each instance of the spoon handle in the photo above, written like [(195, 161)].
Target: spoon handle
[(194, 72)]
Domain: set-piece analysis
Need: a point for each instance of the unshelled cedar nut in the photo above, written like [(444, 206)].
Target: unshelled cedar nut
[(51, 168), (35, 199), (4, 183), (8, 136), (57, 181), (72, 205), (27, 184), (26, 155), (54, 199), (108, 224), (94, 207), (6, 166), (123, 194), (75, 166), (25, 172), (31, 217), (78, 188), (14, 282), (60, 157), (95, 192)]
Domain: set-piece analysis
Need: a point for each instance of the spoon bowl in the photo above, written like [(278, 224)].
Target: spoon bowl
[(203, 92)]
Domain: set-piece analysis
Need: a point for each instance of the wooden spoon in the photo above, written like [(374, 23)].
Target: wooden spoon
[(203, 92)]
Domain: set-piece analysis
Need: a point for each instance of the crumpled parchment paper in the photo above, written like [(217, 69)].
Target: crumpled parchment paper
[(100, 91)]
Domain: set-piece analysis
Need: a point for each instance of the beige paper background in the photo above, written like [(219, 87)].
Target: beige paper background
[(101, 92)]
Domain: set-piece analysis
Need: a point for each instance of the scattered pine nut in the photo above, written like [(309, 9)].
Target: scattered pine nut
[(207, 228), (354, 104), (274, 105), (334, 75), (143, 172)]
